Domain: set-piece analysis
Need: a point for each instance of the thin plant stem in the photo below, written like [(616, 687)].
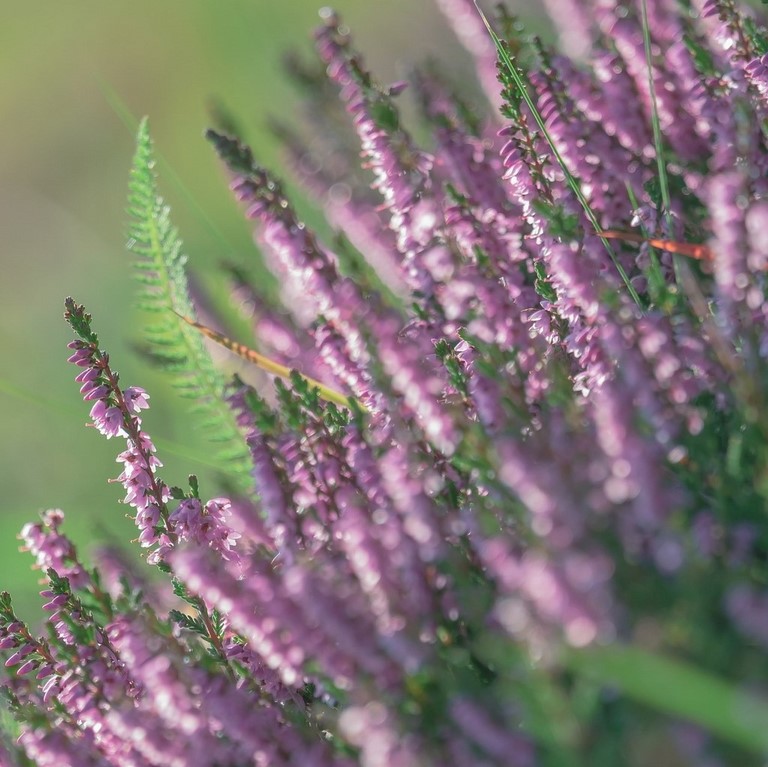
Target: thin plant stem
[(269, 365), (569, 177), (683, 274)]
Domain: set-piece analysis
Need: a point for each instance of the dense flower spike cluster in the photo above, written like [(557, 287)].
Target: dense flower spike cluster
[(115, 413), (553, 460)]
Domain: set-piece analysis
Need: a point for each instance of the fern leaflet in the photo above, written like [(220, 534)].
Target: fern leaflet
[(178, 348)]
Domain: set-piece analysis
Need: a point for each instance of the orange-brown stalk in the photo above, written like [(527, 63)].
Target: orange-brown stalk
[(265, 363), (689, 249)]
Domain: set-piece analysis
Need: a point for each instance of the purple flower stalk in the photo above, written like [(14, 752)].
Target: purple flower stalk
[(116, 413), (51, 549)]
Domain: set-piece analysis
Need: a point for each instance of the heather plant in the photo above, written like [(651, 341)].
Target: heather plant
[(496, 491)]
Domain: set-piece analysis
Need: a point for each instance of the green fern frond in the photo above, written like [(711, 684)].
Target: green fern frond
[(177, 347)]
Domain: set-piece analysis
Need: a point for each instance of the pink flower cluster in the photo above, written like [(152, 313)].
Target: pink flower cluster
[(116, 413)]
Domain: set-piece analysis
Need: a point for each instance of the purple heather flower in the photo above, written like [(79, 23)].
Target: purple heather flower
[(274, 631), (53, 748), (116, 413), (53, 550), (146, 493), (136, 399), (405, 485), (756, 72), (471, 162), (677, 124), (403, 361), (726, 193), (575, 279), (312, 270), (107, 419), (756, 222), (272, 330), (636, 477), (267, 679), (251, 729), (373, 729), (725, 26), (337, 358), (573, 23), (166, 693), (524, 177), (205, 525), (604, 168), (607, 103), (347, 211), (537, 591), (682, 369), (369, 551), (275, 493), (400, 171), (405, 561), (19, 655), (546, 501)]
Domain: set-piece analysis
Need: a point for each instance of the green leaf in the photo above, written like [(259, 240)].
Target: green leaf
[(674, 687), (177, 347)]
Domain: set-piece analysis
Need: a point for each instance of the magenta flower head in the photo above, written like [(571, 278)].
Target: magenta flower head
[(53, 550), (117, 413)]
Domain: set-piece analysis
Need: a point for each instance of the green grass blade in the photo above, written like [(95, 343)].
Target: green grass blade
[(682, 270), (666, 199), (674, 687)]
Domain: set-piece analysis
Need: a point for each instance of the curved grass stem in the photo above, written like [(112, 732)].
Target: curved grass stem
[(269, 365), (570, 179)]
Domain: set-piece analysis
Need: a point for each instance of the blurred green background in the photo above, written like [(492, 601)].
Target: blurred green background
[(64, 162)]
